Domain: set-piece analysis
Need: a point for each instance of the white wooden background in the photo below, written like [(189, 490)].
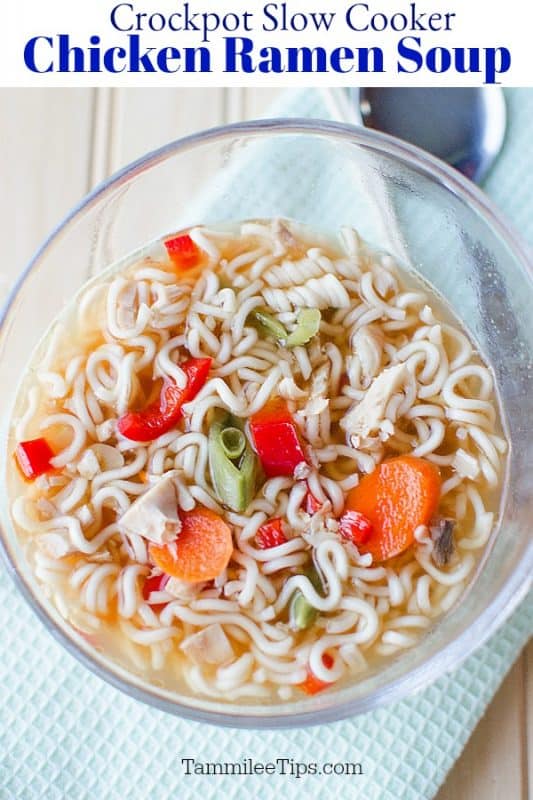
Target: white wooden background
[(57, 144)]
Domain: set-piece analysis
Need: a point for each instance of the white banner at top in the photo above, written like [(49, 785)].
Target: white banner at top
[(254, 43)]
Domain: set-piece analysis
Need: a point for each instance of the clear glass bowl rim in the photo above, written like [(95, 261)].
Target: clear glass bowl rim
[(511, 593)]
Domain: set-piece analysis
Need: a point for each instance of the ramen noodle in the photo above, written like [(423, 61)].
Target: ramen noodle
[(256, 461)]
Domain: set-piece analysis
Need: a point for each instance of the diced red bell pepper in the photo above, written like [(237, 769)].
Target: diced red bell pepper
[(275, 439), (183, 252), (155, 583), (311, 504), (161, 415), (312, 684), (33, 457), (270, 534), (355, 527)]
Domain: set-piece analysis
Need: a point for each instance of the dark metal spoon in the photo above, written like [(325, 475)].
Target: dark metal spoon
[(465, 127)]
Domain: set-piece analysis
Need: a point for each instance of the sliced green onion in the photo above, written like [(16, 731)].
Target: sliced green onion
[(233, 442), (266, 324), (307, 326), (301, 613), (232, 463)]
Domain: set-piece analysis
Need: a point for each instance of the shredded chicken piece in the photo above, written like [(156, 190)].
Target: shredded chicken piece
[(154, 515), (99, 458), (183, 590), (290, 391), (88, 466), (367, 344), (85, 515), (465, 464), (368, 416), (318, 400), (105, 430), (209, 646), (301, 471)]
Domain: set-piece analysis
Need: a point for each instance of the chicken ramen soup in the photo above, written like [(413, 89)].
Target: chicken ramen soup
[(255, 462)]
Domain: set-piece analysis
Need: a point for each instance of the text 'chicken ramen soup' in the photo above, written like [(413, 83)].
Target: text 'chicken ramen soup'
[(254, 462)]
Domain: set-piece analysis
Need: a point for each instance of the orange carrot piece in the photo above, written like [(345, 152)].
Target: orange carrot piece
[(398, 496), (201, 551)]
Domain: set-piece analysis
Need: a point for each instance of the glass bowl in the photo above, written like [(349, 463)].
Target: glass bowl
[(325, 175)]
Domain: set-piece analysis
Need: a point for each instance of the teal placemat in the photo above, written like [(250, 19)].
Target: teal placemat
[(66, 735)]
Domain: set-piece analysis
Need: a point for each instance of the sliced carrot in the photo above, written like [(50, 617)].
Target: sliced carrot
[(398, 496), (201, 551)]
